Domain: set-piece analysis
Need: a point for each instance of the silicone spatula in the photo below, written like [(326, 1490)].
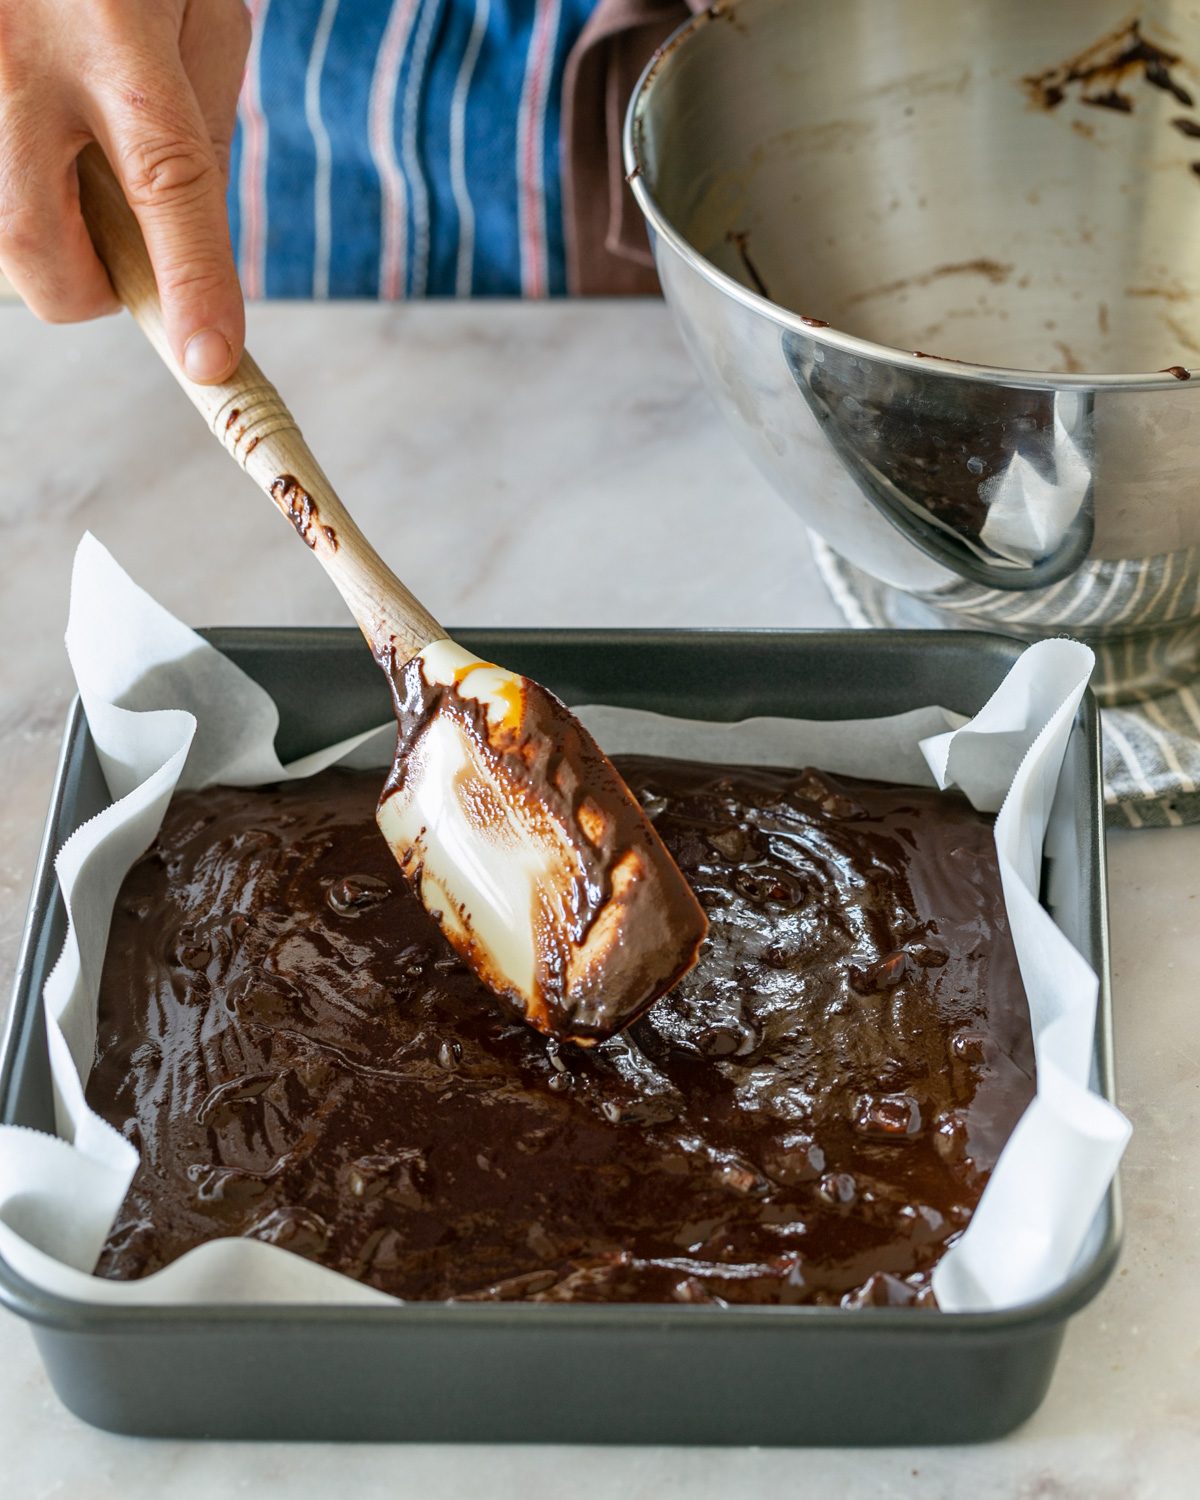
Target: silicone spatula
[(510, 824)]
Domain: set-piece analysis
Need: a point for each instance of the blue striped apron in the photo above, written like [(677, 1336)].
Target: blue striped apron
[(402, 148)]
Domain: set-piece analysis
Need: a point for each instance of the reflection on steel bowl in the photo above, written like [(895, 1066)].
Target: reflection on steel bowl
[(939, 263)]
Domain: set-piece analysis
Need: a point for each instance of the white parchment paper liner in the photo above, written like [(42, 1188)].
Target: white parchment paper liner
[(166, 710)]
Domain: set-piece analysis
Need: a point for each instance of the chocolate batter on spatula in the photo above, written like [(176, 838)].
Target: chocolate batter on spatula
[(526, 848), (809, 1116)]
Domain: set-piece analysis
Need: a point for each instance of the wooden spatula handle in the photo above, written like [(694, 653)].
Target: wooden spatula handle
[(248, 416)]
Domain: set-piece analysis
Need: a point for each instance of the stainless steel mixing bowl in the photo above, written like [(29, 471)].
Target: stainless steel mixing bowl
[(939, 263)]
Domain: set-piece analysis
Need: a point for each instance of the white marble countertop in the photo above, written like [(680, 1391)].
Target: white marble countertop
[(540, 465)]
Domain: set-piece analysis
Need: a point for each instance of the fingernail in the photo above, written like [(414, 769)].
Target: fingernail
[(207, 355)]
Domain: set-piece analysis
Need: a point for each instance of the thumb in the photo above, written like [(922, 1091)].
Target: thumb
[(160, 150)]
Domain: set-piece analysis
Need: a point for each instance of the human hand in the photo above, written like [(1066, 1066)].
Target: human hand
[(155, 83)]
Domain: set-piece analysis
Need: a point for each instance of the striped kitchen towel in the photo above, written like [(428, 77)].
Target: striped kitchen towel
[(1151, 744)]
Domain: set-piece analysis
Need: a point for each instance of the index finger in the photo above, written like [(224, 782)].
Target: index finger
[(158, 146)]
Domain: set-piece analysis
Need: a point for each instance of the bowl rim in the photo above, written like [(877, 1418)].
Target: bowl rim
[(638, 177)]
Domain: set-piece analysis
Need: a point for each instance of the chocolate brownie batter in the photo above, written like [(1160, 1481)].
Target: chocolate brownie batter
[(809, 1116)]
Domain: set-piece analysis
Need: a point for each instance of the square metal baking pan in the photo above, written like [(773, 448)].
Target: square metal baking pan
[(564, 1373)]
